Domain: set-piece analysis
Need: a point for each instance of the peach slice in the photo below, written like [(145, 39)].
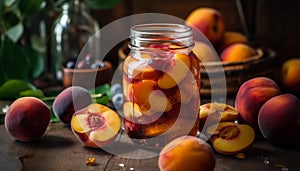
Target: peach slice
[(96, 125), (176, 73), (230, 138), (217, 112), (131, 110), (139, 68), (149, 98)]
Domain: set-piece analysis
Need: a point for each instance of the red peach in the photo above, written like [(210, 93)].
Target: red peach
[(279, 119), (251, 95), (27, 119), (209, 21)]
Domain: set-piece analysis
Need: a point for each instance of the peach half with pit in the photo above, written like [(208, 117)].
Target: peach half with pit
[(27, 119), (176, 72), (230, 138), (187, 153), (96, 125), (215, 112), (279, 119), (251, 95)]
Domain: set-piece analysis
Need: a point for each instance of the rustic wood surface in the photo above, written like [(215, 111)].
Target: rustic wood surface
[(60, 150)]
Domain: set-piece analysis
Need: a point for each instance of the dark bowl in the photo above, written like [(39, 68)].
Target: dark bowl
[(87, 78)]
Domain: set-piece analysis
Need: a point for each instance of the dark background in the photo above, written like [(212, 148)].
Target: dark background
[(274, 24)]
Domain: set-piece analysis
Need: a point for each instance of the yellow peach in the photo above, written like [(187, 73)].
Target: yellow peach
[(186, 153)]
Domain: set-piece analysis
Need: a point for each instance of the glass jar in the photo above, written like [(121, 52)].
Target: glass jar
[(71, 31), (161, 81)]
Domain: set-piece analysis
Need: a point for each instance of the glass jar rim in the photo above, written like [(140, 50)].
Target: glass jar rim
[(161, 32)]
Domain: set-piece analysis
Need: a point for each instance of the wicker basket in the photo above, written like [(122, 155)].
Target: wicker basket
[(236, 73), (214, 74)]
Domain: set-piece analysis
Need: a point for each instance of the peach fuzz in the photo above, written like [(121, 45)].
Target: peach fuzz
[(231, 37), (186, 153), (290, 76), (229, 138), (251, 95), (209, 21), (237, 52), (27, 119), (279, 119), (96, 126)]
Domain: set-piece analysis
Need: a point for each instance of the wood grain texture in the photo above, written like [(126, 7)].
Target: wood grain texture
[(59, 150)]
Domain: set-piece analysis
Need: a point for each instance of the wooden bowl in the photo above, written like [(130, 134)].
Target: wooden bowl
[(236, 73), (87, 78)]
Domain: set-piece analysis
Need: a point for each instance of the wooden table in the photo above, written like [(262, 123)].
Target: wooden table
[(60, 150)]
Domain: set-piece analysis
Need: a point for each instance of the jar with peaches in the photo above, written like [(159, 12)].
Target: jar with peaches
[(161, 81)]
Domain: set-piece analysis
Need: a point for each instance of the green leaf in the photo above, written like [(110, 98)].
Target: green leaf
[(13, 62), (9, 3), (15, 32), (11, 89), (32, 93), (29, 7), (10, 19), (38, 43), (101, 94), (102, 4), (36, 62)]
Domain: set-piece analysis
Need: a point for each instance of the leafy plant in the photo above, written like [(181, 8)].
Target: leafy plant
[(18, 60), (20, 52)]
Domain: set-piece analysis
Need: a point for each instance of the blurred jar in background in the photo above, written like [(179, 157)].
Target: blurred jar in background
[(70, 33)]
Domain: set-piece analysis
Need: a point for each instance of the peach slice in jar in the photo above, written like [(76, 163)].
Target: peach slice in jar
[(230, 138), (96, 125), (148, 97), (139, 68), (176, 72)]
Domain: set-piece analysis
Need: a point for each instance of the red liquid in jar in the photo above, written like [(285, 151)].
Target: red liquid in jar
[(161, 94)]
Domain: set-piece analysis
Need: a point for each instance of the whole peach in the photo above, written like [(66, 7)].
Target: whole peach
[(290, 75), (186, 153), (27, 119), (251, 95), (209, 21), (70, 100), (279, 119), (205, 52), (237, 52), (231, 37)]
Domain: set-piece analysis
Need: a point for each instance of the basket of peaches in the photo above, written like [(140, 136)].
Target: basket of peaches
[(225, 53)]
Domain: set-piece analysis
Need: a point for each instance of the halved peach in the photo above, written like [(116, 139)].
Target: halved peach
[(176, 72), (96, 125), (211, 113), (230, 138), (148, 97)]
